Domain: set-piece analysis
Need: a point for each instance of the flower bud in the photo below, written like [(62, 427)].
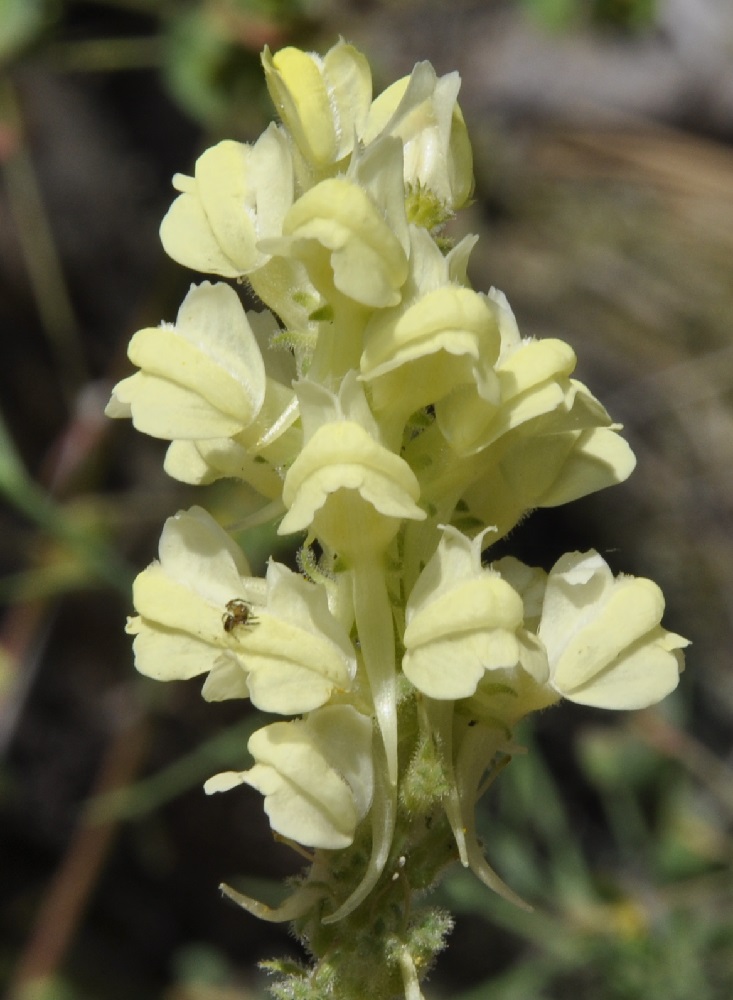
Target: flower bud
[(422, 111), (323, 102)]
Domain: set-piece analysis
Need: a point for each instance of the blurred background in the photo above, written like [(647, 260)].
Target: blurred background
[(604, 199)]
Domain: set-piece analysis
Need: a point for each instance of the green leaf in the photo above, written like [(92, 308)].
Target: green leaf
[(21, 21)]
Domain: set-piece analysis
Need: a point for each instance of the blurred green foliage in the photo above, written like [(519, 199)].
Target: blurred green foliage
[(618, 15), (211, 56), (23, 22), (210, 48), (616, 923)]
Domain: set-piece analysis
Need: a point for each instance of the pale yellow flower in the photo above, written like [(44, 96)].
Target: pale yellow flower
[(257, 453), (204, 461), (296, 654), (544, 465), (199, 611), (422, 111), (351, 231), (604, 641), (529, 582), (202, 377), (316, 775), (533, 379), (461, 621), (203, 385), (239, 194), (323, 101), (345, 485), (181, 601), (442, 338)]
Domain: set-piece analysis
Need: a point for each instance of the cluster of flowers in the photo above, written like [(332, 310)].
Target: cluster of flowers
[(396, 416)]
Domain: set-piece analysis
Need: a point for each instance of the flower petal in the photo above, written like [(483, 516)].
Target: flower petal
[(342, 455), (368, 261), (239, 195), (603, 636), (316, 775), (206, 372), (461, 621), (323, 102)]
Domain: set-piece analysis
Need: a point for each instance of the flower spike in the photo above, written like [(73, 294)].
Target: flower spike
[(397, 419)]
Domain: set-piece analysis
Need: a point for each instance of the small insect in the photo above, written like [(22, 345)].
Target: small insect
[(238, 612)]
